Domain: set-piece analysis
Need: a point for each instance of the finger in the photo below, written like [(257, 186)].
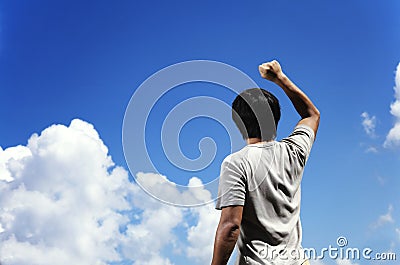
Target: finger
[(270, 64), (261, 70), (267, 67)]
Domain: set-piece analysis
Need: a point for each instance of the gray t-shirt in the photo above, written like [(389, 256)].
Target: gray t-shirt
[(265, 179)]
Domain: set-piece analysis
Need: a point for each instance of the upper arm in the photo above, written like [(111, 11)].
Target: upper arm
[(227, 234), (312, 122), (231, 215)]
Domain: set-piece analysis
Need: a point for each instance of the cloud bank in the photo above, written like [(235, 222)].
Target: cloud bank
[(393, 137), (63, 201)]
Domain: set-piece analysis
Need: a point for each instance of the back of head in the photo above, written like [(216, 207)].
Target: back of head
[(256, 113)]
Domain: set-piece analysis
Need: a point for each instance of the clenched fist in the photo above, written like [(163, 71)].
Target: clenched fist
[(271, 71)]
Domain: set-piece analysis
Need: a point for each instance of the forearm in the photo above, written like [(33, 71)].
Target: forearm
[(225, 240), (299, 99)]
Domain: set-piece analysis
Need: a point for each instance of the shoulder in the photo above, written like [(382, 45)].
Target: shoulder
[(300, 142), (301, 133), (237, 157), (237, 161)]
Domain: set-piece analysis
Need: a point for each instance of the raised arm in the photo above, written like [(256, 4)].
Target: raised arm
[(309, 114)]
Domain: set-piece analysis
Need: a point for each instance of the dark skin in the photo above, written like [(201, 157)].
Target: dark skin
[(227, 234), (228, 229)]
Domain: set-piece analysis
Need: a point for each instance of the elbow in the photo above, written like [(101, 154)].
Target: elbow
[(232, 226), (317, 112), (311, 112), (229, 231), (316, 115)]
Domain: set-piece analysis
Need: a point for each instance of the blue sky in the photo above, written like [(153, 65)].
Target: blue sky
[(61, 60)]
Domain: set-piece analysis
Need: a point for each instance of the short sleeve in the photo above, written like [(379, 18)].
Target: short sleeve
[(232, 184), (300, 142)]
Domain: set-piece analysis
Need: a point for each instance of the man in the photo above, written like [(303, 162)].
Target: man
[(259, 189)]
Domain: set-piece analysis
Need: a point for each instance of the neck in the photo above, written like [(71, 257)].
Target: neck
[(253, 140), (256, 141)]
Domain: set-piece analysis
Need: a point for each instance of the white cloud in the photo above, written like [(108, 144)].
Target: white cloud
[(158, 220), (62, 201), (385, 218), (369, 124), (371, 149), (200, 236), (393, 137), (345, 262)]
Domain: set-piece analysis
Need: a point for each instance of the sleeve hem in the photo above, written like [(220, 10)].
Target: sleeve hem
[(232, 203), (308, 128)]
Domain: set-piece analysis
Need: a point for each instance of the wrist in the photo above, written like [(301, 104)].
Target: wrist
[(280, 78)]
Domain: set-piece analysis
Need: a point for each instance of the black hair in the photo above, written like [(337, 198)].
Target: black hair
[(256, 113)]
